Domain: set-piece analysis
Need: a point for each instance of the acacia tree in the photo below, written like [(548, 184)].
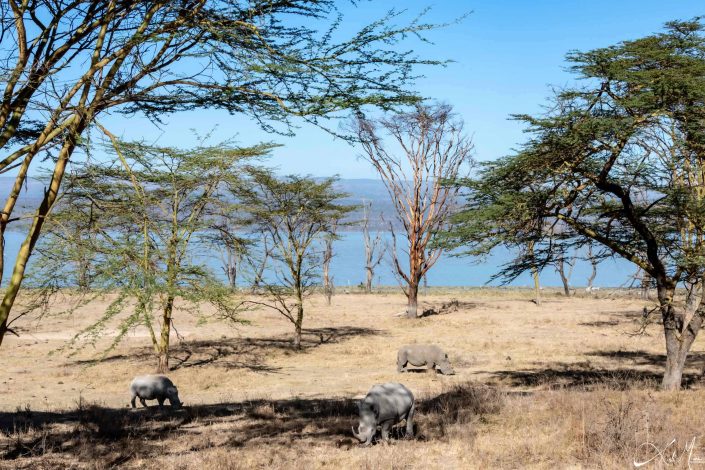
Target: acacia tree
[(430, 147), (149, 212), (295, 212), (374, 251), (66, 62), (619, 163)]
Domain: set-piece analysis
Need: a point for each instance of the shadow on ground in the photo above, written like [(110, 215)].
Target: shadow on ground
[(117, 436), (626, 369), (615, 318), (241, 353)]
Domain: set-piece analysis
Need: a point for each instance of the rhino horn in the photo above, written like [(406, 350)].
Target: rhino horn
[(357, 434)]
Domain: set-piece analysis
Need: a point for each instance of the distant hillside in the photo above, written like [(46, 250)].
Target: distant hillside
[(31, 195)]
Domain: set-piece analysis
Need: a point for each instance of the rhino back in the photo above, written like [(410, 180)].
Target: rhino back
[(391, 399), (150, 386), (421, 354)]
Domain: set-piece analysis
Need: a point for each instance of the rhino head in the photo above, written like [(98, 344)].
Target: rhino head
[(173, 395), (367, 427), (445, 367)]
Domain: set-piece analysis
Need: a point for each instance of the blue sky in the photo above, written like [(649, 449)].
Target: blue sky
[(506, 55)]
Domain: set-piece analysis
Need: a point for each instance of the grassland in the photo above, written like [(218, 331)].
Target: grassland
[(566, 384)]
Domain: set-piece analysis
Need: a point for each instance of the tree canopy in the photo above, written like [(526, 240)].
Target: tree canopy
[(296, 213), (134, 227), (620, 161), (67, 62)]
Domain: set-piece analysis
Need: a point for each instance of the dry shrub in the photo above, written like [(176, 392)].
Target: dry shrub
[(616, 425), (636, 426), (457, 410)]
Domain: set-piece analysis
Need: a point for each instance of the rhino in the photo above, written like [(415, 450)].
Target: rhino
[(419, 355), (385, 405), (154, 387)]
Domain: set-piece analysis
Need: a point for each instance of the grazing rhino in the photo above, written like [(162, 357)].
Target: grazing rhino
[(385, 405), (154, 387), (419, 355)]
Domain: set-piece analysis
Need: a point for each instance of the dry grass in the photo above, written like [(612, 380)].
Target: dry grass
[(560, 385)]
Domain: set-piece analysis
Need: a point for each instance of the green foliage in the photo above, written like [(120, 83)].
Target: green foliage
[(276, 62), (135, 225), (296, 213), (619, 161)]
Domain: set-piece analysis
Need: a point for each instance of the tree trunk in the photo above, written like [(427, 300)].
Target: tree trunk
[(297, 336), (645, 284), (593, 274), (27, 247), (676, 354), (537, 286), (413, 300), (693, 295), (564, 277), (298, 325), (679, 337), (232, 277), (163, 362), (163, 359), (368, 281)]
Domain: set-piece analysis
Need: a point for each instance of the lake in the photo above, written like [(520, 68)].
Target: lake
[(347, 267)]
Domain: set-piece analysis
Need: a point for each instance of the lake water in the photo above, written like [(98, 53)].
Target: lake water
[(347, 267)]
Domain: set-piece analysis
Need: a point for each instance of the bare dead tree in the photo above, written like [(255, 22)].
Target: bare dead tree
[(593, 264), (374, 250), (328, 287), (431, 148), (565, 276), (231, 254)]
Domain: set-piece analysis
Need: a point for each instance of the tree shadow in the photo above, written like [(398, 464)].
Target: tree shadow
[(616, 318), (643, 358), (573, 376), (117, 436), (601, 323), (240, 353)]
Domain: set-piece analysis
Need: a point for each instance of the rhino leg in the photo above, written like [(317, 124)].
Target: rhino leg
[(144, 403), (161, 403), (410, 422), (385, 430), (134, 398)]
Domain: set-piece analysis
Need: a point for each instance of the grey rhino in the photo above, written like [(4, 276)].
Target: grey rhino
[(385, 405), (419, 355), (154, 387)]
